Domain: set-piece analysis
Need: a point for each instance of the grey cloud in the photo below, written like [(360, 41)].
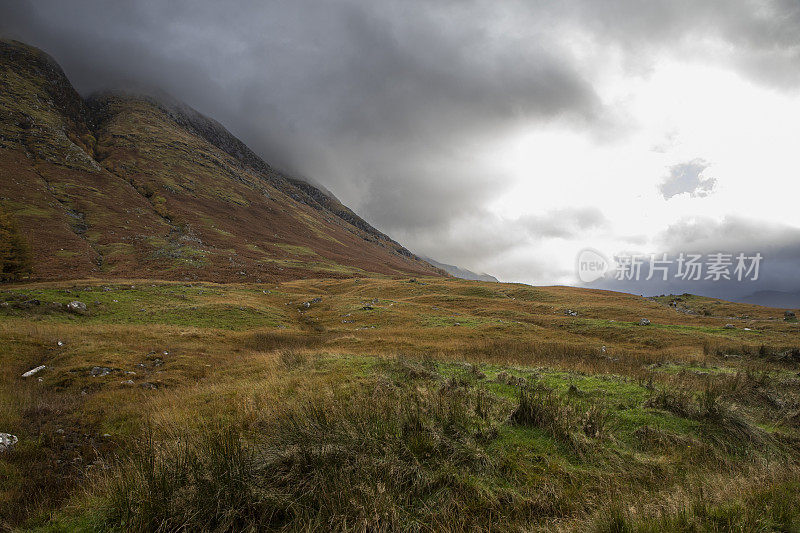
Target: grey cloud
[(563, 223), (686, 178), (483, 241), (760, 38)]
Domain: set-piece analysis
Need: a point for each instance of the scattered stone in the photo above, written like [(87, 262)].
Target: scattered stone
[(728, 326), (315, 300), (33, 371), (644, 322), (77, 307), (570, 312), (100, 371), (148, 385), (128, 382), (60, 343), (7, 440), (367, 308), (788, 315)]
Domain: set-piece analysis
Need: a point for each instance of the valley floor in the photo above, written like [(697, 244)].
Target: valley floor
[(424, 404)]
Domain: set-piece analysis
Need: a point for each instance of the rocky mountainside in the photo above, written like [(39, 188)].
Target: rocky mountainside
[(120, 186)]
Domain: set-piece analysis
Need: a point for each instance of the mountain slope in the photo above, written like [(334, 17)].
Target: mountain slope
[(121, 185), (459, 272)]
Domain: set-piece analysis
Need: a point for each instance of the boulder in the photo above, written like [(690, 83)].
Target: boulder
[(644, 322), (788, 315), (728, 326)]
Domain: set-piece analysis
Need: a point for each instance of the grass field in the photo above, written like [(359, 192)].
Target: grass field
[(380, 404)]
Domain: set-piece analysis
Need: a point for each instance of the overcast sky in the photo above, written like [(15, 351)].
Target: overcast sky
[(504, 137)]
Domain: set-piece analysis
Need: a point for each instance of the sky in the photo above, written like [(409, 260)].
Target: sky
[(501, 136)]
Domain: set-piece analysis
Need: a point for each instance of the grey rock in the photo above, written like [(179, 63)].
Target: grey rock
[(7, 440), (728, 326), (100, 371), (644, 322), (76, 306)]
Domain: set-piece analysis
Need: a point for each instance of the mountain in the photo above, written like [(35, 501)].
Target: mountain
[(780, 299), (120, 186), (459, 272)]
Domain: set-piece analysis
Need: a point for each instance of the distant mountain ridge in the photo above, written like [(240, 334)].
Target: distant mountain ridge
[(780, 299), (459, 272), (125, 185)]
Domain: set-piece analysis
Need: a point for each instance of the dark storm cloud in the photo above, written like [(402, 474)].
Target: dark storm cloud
[(686, 178)]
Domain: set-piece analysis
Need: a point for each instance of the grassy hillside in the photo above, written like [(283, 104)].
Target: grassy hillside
[(376, 404), (119, 185)]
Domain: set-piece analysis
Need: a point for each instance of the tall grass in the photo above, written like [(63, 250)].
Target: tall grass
[(386, 460), (772, 508)]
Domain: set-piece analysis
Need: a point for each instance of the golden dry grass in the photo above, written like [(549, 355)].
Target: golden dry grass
[(259, 349)]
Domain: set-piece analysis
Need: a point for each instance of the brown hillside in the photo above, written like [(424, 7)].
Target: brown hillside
[(119, 185)]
